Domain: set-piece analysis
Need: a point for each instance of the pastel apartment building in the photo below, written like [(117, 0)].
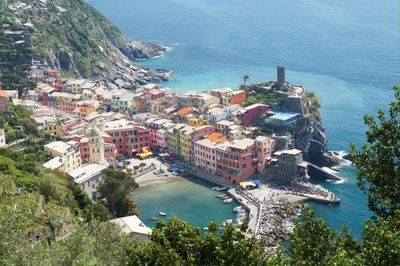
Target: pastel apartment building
[(3, 101), (234, 97), (205, 150), (215, 115), (188, 136), (128, 137), (250, 114), (66, 152)]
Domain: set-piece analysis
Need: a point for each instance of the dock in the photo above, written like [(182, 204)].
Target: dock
[(252, 205)]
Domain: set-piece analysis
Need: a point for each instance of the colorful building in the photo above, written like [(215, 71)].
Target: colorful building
[(3, 101), (250, 114), (234, 97), (128, 137)]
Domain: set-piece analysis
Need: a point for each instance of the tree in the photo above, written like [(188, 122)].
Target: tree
[(96, 211), (179, 243), (115, 189), (245, 78), (378, 162)]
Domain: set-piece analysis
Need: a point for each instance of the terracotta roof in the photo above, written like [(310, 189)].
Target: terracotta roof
[(217, 137), (186, 110), (3, 93)]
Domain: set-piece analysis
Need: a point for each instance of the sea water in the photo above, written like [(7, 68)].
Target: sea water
[(347, 52)]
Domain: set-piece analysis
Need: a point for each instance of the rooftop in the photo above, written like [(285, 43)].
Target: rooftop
[(132, 224), (54, 163), (84, 173), (187, 110), (58, 146), (217, 137)]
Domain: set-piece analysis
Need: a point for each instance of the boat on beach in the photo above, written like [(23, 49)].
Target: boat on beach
[(162, 214)]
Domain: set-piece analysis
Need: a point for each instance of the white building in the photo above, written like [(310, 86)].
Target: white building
[(68, 151), (133, 226), (2, 138), (121, 101), (88, 177), (217, 114)]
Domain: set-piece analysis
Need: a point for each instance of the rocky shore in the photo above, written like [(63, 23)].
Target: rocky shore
[(276, 223)]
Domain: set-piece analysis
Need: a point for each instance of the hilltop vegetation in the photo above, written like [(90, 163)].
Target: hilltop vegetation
[(71, 36)]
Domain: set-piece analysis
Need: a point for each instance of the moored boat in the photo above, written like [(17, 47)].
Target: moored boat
[(238, 208), (221, 196), (229, 200), (153, 218), (162, 213)]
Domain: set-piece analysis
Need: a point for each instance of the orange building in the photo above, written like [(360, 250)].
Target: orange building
[(217, 137), (3, 101), (234, 97), (85, 109)]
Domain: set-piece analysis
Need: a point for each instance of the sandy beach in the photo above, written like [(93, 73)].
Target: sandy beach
[(150, 179)]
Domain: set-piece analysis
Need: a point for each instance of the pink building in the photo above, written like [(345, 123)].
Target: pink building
[(251, 113), (237, 160), (197, 134)]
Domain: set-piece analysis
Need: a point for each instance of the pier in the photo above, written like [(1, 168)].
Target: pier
[(251, 205)]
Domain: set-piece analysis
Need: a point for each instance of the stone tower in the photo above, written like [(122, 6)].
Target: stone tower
[(280, 76), (96, 145)]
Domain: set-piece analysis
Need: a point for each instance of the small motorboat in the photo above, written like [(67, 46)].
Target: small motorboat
[(221, 196), (214, 188), (238, 208), (152, 218), (221, 188), (229, 200), (205, 228), (162, 214)]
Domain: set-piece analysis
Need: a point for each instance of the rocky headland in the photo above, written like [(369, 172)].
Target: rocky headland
[(74, 38)]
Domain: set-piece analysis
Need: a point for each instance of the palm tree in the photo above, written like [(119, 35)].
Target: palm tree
[(245, 78)]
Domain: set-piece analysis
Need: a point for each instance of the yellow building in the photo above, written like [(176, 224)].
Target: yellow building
[(85, 109), (54, 129), (185, 142), (197, 122), (173, 137)]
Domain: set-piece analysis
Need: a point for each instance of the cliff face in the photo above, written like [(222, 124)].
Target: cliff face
[(308, 133), (71, 36)]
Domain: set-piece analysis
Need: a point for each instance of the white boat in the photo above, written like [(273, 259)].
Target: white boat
[(214, 188), (228, 200), (240, 215), (162, 213), (221, 188), (238, 208), (205, 228)]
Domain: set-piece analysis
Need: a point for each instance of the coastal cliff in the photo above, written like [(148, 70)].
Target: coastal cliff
[(308, 133), (73, 37)]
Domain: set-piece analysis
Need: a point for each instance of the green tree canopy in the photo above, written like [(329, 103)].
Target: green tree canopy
[(378, 162)]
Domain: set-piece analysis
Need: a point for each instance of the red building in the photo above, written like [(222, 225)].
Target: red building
[(251, 113), (128, 137)]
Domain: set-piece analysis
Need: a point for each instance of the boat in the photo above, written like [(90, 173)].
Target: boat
[(221, 188), (239, 215), (221, 196), (238, 208), (205, 228), (152, 218), (214, 188), (162, 213), (229, 200)]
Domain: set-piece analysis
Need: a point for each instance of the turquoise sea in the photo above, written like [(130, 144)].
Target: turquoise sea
[(347, 52)]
